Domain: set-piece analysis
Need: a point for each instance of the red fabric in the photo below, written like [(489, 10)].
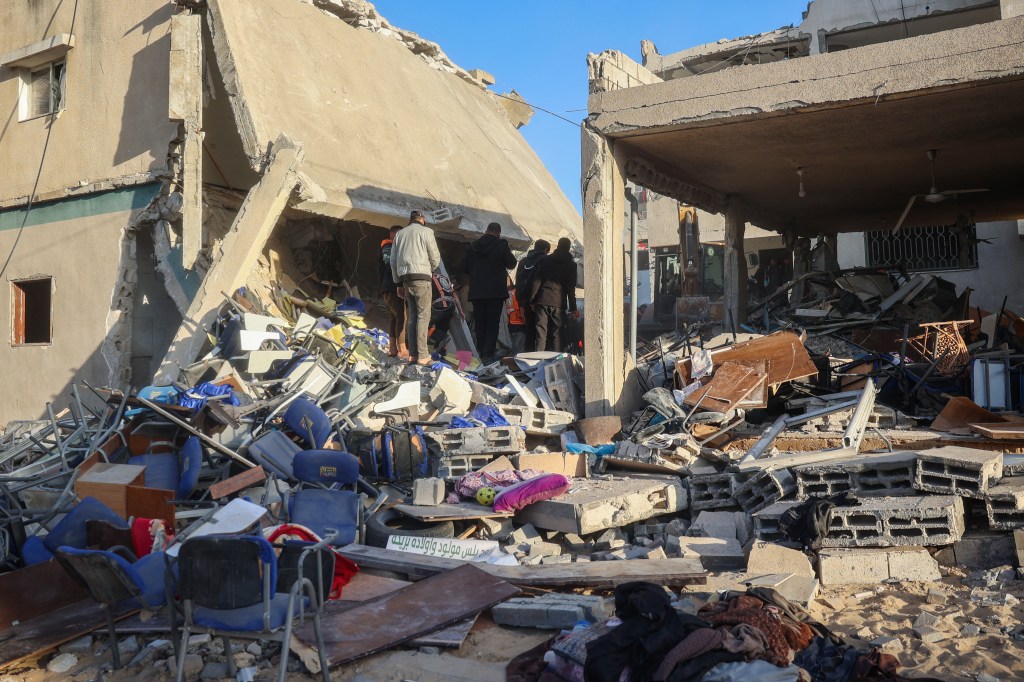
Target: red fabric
[(344, 569), (144, 533)]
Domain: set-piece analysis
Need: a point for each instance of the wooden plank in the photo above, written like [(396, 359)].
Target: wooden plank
[(50, 631), (784, 354), (246, 479), (406, 614), (465, 511), (730, 385), (151, 503), (960, 413), (1000, 431), (34, 591), (597, 574)]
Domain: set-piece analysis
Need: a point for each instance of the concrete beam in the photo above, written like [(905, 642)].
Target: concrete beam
[(237, 255), (902, 68), (185, 104), (41, 52), (1011, 8), (735, 284), (603, 223)]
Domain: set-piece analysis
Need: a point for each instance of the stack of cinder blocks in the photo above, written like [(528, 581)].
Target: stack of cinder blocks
[(891, 474), (467, 450)]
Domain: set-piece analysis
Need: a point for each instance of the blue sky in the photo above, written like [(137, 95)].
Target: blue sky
[(539, 47)]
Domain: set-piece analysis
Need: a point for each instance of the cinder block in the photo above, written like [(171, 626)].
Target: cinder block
[(551, 611), (953, 470), (493, 440), (723, 524), (524, 534), (763, 489), (451, 394), (1004, 504), (880, 522), (451, 467), (538, 421), (979, 550), (715, 554), (766, 557), (885, 475), (872, 566), (711, 491), (428, 492)]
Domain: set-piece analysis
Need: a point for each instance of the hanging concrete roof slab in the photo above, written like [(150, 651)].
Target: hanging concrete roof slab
[(383, 132)]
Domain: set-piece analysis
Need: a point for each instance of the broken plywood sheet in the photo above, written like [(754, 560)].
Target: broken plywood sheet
[(596, 575), (1013, 431), (961, 412), (53, 629), (731, 384), (592, 504), (408, 613), (784, 355)]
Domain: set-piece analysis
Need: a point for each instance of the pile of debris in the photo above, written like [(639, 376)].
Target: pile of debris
[(753, 477)]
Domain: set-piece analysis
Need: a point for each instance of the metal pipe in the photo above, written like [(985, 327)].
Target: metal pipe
[(765, 440), (634, 211), (859, 421), (814, 414)]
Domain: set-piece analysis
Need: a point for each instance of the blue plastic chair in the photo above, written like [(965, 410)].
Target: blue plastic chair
[(112, 580), (229, 587), (178, 472), (320, 504), (275, 450), (70, 531)]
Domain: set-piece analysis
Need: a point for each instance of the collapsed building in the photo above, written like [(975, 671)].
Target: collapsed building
[(837, 116), (151, 151)]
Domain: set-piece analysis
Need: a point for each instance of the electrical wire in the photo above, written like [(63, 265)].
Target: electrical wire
[(539, 108), (39, 171)]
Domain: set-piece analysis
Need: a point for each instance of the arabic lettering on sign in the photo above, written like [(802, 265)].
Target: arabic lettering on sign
[(448, 548)]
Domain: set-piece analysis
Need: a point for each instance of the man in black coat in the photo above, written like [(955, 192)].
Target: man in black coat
[(553, 291), (525, 274), (487, 263)]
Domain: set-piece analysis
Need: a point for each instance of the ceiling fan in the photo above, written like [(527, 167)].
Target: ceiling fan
[(934, 196)]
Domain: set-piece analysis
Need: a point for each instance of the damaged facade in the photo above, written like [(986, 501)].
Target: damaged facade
[(838, 115), (119, 191)]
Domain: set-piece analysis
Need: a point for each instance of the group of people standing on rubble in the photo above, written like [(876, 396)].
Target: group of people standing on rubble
[(537, 300)]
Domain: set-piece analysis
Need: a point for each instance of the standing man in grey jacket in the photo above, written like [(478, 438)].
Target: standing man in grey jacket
[(414, 258)]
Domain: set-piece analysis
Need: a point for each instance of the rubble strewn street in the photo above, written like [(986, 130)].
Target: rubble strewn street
[(363, 397)]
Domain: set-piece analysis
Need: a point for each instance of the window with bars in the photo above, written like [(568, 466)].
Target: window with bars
[(921, 249), (43, 90)]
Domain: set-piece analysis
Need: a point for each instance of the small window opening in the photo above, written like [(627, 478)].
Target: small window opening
[(45, 89), (32, 303)]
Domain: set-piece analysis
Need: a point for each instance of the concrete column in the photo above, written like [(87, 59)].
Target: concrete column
[(237, 255), (185, 104), (1011, 8), (604, 209), (735, 297)]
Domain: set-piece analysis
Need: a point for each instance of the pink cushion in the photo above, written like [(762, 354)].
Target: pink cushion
[(533, 490)]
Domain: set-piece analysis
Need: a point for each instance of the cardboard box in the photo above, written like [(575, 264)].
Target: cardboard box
[(565, 463), (109, 484)]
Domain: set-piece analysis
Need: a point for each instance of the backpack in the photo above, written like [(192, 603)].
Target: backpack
[(524, 280)]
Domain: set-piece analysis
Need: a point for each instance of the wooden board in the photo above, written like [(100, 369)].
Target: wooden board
[(55, 628), (597, 574), (1000, 431), (150, 503), (465, 511), (246, 479), (406, 614), (34, 591), (730, 385), (961, 412), (784, 355)]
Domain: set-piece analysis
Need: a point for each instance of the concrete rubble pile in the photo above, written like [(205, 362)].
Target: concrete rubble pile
[(708, 492)]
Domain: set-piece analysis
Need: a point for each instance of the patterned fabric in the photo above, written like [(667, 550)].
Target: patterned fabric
[(698, 642), (749, 610)]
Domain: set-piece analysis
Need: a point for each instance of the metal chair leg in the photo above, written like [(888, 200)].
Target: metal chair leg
[(115, 653), (228, 656), (321, 648), (182, 648), (282, 671)]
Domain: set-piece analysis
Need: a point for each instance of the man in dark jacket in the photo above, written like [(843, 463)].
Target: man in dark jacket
[(487, 263), (554, 290), (389, 291), (525, 274)]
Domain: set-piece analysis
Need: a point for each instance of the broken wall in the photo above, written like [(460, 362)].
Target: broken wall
[(385, 132)]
